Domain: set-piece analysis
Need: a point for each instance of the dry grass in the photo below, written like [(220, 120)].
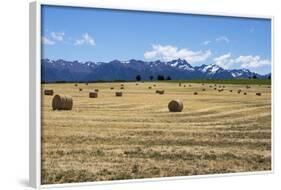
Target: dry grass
[(135, 136)]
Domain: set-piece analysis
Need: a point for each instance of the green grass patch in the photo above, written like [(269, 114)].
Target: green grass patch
[(225, 81)]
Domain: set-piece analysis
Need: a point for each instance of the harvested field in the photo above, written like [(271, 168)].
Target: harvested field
[(135, 136)]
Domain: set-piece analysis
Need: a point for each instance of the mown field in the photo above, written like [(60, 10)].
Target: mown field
[(135, 136)]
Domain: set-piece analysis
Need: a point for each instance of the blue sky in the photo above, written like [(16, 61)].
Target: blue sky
[(102, 35)]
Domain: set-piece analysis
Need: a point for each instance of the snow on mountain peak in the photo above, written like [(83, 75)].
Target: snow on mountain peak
[(213, 68)]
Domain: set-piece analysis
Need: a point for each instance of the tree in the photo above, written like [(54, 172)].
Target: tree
[(138, 77), (160, 77), (254, 77), (151, 77), (168, 78), (269, 77)]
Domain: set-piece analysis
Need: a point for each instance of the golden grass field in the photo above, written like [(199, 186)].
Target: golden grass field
[(135, 136)]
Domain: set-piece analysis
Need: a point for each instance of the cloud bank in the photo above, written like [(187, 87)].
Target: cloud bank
[(168, 52)]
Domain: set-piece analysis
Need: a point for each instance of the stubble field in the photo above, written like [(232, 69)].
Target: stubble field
[(135, 136)]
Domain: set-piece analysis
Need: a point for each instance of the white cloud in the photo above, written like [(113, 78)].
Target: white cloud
[(57, 36), (251, 61), (168, 52), (207, 42), (47, 41), (224, 61), (85, 39), (222, 39), (244, 61)]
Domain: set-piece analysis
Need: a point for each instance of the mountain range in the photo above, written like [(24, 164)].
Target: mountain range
[(61, 70)]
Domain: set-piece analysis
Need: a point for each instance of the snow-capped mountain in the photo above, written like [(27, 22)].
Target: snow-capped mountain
[(180, 64), (61, 70)]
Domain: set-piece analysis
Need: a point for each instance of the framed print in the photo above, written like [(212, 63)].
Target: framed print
[(120, 94)]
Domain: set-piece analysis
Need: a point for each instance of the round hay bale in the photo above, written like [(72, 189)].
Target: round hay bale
[(195, 93), (203, 89), (122, 84), (62, 102), (184, 86), (215, 84), (189, 85), (76, 84), (258, 94), (96, 90), (154, 85), (49, 92), (239, 91), (245, 93), (118, 93), (86, 83), (80, 89), (215, 88), (248, 87), (122, 87), (149, 87), (93, 94), (210, 86), (160, 91), (180, 84), (175, 106), (230, 90), (203, 84), (137, 84), (111, 88)]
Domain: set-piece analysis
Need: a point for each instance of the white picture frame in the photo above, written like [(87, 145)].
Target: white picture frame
[(35, 91)]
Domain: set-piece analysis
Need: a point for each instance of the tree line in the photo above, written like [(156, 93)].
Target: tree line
[(159, 77)]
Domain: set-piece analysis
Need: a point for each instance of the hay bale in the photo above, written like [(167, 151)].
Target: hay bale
[(93, 94), (96, 90), (62, 102), (122, 87), (76, 84), (220, 90), (184, 86), (239, 91), (215, 84), (248, 87), (230, 90), (149, 87), (154, 84), (203, 89), (189, 85), (49, 92), (175, 106), (215, 88), (118, 93), (210, 86), (80, 89), (258, 94), (195, 93), (111, 88), (122, 84), (203, 84), (160, 91), (137, 84), (268, 87), (180, 84), (245, 93), (86, 83)]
